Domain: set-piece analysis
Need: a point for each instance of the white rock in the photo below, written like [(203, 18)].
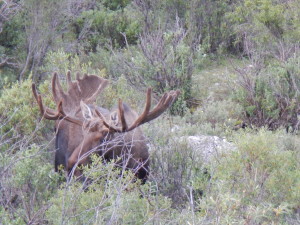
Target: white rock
[(211, 148)]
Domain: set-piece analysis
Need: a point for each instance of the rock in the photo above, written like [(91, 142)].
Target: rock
[(211, 148)]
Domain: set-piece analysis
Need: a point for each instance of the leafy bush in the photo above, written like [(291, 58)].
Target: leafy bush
[(270, 96), (210, 26), (224, 113), (103, 26), (163, 61), (115, 4), (19, 113), (27, 180), (109, 198), (269, 84), (176, 168), (259, 182)]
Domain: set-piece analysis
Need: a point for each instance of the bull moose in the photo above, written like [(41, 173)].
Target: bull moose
[(82, 127)]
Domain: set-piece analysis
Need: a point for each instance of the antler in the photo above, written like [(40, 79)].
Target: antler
[(166, 100), (86, 88), (50, 114)]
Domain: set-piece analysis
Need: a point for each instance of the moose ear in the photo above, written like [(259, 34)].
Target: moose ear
[(86, 111), (114, 118)]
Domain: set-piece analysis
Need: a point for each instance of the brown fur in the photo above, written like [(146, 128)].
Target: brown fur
[(131, 147), (83, 128)]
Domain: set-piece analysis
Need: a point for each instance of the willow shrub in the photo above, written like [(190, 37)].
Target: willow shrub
[(107, 196), (257, 183), (20, 116), (27, 182)]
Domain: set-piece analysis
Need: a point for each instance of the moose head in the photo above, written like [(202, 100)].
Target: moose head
[(82, 128)]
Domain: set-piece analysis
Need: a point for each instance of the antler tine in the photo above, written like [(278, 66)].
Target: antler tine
[(48, 113), (103, 85), (143, 116), (56, 86), (51, 114), (162, 105), (165, 101), (69, 79), (77, 76), (121, 116)]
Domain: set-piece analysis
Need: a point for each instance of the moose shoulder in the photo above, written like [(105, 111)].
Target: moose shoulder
[(82, 128)]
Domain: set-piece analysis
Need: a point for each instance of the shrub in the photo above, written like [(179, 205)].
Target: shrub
[(176, 168), (224, 114), (258, 182), (27, 181), (109, 198), (162, 61), (20, 114), (270, 95), (104, 26)]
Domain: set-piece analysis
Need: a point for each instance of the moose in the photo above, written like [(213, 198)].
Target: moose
[(82, 128)]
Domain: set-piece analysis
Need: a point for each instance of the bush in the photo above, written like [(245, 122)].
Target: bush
[(109, 198), (104, 26), (20, 114), (270, 96), (258, 182), (27, 181), (162, 61), (269, 83), (176, 168), (225, 114), (27, 178)]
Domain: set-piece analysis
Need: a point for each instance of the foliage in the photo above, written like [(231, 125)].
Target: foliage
[(167, 45), (115, 4), (110, 197), (103, 26), (26, 182), (62, 62), (29, 35), (259, 182), (270, 82), (270, 96), (163, 63), (176, 168), (224, 113), (11, 37), (19, 113), (210, 26)]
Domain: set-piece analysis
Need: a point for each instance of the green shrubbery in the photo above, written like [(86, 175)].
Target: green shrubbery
[(270, 96), (105, 26), (20, 114), (109, 198), (27, 182), (269, 83), (166, 45), (259, 182)]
